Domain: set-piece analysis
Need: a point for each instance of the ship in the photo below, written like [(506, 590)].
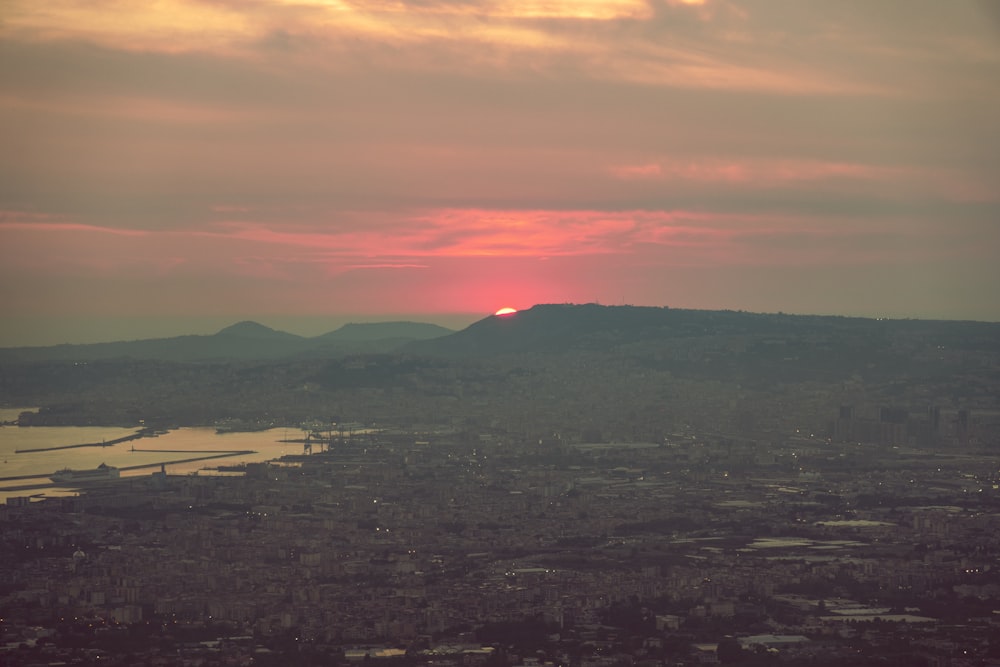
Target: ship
[(101, 473)]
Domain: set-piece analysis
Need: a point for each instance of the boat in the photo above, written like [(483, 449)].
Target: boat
[(101, 473)]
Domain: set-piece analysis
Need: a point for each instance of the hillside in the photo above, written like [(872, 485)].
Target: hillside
[(633, 371), (754, 340)]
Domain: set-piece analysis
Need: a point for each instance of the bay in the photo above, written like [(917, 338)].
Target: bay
[(170, 448)]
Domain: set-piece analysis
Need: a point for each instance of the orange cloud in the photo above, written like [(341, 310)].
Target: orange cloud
[(191, 25), (134, 25), (571, 9), (531, 36)]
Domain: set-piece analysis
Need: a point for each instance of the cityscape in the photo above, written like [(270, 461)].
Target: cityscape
[(824, 534), (499, 333)]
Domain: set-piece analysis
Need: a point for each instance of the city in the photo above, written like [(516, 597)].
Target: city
[(808, 532), (536, 333), (592, 554)]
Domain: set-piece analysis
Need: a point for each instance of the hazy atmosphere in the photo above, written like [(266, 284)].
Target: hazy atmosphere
[(500, 333), (295, 161)]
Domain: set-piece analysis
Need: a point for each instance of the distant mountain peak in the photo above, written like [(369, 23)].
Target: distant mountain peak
[(250, 329)]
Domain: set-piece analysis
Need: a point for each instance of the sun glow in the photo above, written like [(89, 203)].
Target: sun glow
[(507, 310)]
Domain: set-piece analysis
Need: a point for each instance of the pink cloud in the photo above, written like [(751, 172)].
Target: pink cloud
[(479, 232), (443, 260), (409, 241)]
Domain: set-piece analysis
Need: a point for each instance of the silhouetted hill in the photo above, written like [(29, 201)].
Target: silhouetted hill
[(565, 368), (565, 327), (542, 328), (561, 328), (241, 341), (728, 345), (247, 329)]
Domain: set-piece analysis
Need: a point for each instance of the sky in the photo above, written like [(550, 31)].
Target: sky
[(189, 163)]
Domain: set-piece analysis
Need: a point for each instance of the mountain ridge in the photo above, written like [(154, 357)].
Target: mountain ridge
[(251, 329), (563, 328), (613, 364), (544, 328), (245, 340)]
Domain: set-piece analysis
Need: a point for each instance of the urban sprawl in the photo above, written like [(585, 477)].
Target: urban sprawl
[(873, 543)]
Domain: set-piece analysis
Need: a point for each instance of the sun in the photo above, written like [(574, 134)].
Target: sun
[(506, 310)]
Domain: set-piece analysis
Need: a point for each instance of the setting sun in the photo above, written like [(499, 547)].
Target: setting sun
[(507, 310)]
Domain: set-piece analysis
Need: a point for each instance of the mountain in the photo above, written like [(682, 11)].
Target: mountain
[(241, 341), (254, 330), (730, 345), (563, 327), (686, 342), (557, 366)]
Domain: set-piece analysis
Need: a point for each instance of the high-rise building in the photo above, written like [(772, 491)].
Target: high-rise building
[(843, 427)]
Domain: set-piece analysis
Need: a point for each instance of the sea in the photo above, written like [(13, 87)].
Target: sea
[(172, 449)]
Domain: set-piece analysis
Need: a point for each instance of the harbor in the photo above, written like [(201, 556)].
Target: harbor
[(29, 456), (215, 454)]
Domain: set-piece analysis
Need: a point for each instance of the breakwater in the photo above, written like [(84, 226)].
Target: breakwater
[(217, 454), (141, 433), (192, 451)]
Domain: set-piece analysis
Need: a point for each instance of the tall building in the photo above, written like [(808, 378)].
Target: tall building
[(843, 427), (962, 424)]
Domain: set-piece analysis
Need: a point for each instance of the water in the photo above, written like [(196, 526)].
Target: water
[(10, 414), (187, 443)]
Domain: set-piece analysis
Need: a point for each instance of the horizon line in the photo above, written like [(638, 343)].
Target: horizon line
[(22, 331)]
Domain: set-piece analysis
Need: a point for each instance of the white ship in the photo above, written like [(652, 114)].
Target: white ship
[(100, 473)]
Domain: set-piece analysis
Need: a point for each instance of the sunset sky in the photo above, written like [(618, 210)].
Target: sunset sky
[(310, 162)]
